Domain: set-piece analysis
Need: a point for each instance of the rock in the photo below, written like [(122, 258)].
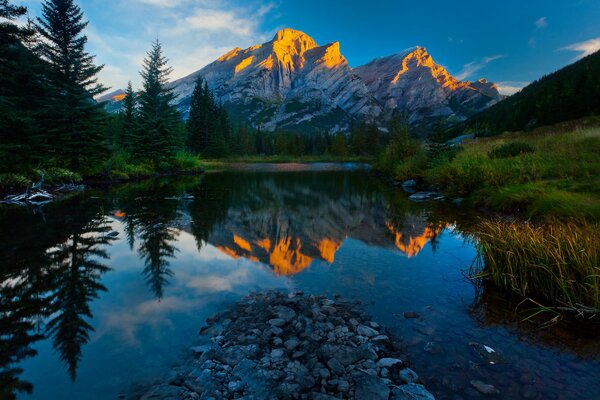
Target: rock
[(488, 354), (291, 344), (380, 338), (370, 387), (324, 373), (434, 348), (366, 331), (285, 313), (426, 196), (277, 353), (199, 350), (343, 386), (484, 388), (409, 183), (235, 386), (411, 391), (411, 314), (389, 362), (277, 322), (407, 375), (335, 366)]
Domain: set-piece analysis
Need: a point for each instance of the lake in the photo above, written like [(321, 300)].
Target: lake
[(104, 291)]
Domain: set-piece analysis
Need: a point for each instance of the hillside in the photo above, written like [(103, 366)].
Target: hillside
[(570, 93)]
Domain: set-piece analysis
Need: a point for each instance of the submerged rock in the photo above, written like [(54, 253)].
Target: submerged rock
[(426, 196), (276, 346)]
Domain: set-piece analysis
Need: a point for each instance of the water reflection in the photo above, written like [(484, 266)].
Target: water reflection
[(187, 244)]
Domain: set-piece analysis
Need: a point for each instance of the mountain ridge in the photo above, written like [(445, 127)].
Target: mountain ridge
[(292, 83)]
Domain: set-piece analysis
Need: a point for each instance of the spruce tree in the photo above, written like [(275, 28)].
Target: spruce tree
[(158, 118), (129, 128), (23, 87), (79, 135), (198, 122)]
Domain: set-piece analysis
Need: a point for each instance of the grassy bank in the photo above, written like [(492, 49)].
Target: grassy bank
[(286, 159), (545, 174), (118, 168), (556, 265)]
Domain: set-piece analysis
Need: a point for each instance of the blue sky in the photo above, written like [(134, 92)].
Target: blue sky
[(511, 42)]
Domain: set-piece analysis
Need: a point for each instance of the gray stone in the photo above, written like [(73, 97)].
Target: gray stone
[(277, 353), (407, 375), (484, 388), (343, 386), (366, 331), (411, 315), (380, 338), (488, 354), (370, 387), (433, 348), (335, 366), (426, 196), (278, 322), (411, 391), (389, 362), (291, 344)]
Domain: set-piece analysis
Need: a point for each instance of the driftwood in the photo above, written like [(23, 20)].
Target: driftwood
[(37, 196)]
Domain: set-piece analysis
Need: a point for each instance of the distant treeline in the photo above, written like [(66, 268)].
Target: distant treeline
[(570, 93)]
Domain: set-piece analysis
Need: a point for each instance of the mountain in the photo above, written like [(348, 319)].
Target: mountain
[(570, 93), (292, 83)]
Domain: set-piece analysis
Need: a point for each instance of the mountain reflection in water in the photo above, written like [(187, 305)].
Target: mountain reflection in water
[(67, 283)]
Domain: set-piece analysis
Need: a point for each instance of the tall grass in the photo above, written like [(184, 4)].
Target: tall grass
[(556, 265)]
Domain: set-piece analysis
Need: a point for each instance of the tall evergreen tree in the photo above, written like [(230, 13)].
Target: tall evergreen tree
[(157, 116), (129, 127), (79, 134), (23, 87), (198, 122)]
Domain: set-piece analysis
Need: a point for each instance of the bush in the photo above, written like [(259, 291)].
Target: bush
[(511, 149)]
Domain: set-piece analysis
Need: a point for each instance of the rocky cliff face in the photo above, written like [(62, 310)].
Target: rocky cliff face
[(291, 83), (412, 83)]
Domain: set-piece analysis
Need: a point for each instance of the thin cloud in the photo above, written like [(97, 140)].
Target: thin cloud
[(469, 69), (541, 23), (584, 48)]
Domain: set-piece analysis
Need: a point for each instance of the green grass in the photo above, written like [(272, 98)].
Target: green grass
[(542, 174), (555, 265), (284, 159), (121, 167)]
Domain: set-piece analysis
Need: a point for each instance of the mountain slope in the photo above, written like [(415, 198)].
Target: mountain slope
[(285, 83), (570, 93), (412, 83)]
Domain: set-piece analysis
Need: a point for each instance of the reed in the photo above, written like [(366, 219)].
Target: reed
[(555, 265)]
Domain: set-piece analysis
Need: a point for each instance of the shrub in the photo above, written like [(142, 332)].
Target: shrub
[(511, 149)]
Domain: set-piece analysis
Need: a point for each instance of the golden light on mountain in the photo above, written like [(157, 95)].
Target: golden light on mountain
[(410, 244), (287, 257), (328, 248)]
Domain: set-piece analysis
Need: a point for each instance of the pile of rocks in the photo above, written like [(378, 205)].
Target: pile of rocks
[(292, 346)]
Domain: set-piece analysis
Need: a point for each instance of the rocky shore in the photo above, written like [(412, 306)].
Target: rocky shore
[(293, 346)]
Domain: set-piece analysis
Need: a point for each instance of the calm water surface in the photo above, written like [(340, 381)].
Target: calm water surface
[(89, 315)]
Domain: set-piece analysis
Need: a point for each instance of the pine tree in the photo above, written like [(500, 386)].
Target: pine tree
[(197, 123), (129, 127), (23, 87), (158, 118), (79, 132)]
